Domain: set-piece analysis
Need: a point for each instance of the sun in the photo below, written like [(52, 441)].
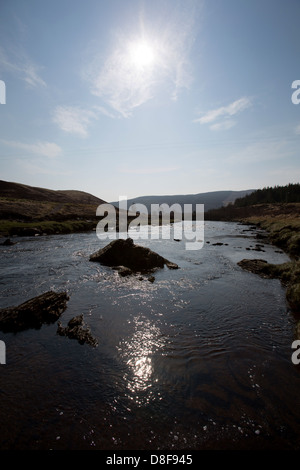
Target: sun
[(141, 54)]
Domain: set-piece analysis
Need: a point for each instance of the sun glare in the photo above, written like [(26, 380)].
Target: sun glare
[(142, 54)]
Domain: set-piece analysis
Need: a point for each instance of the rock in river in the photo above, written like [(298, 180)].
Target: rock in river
[(76, 330), (45, 308), (8, 242), (135, 257)]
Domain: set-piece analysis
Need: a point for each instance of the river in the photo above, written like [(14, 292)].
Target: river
[(198, 359)]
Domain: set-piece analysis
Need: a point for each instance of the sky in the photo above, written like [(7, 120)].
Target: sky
[(146, 97)]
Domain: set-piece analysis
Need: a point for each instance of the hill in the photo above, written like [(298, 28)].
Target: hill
[(277, 201), (211, 200), (22, 191), (275, 209), (27, 210)]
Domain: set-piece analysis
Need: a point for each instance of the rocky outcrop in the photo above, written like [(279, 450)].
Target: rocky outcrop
[(126, 254), (77, 330), (45, 308)]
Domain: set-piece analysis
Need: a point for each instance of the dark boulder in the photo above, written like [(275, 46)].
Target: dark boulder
[(45, 308), (135, 257), (76, 330)]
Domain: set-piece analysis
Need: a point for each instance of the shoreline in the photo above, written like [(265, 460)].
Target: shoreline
[(283, 233), (11, 228)]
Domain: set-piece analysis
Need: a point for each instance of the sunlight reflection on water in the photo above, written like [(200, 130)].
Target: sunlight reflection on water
[(137, 352)]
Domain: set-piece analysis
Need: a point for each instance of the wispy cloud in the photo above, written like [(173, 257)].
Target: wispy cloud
[(74, 120), (123, 85), (22, 66), (44, 149), (224, 113), (118, 84), (105, 112), (224, 125)]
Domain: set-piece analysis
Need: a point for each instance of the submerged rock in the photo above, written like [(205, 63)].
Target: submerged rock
[(123, 271), (45, 308), (134, 257), (257, 266), (8, 242), (76, 330)]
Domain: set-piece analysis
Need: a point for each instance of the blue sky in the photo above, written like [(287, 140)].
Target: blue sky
[(132, 97)]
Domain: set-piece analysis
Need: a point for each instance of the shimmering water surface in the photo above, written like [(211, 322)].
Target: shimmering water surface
[(198, 359)]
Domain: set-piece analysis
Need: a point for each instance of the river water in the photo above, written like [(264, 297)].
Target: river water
[(198, 359)]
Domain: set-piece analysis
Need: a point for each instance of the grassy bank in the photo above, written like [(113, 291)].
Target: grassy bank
[(283, 232), (10, 228)]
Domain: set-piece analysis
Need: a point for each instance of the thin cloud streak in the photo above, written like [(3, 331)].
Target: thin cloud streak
[(24, 68), (220, 126), (224, 112), (45, 149)]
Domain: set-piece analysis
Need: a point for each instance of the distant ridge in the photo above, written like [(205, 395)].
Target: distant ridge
[(211, 200), (22, 191)]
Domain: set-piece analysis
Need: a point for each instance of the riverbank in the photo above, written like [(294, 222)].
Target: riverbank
[(284, 232), (10, 228), (281, 221)]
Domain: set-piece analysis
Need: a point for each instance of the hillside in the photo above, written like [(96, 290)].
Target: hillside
[(27, 210), (21, 191), (211, 200), (269, 202)]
